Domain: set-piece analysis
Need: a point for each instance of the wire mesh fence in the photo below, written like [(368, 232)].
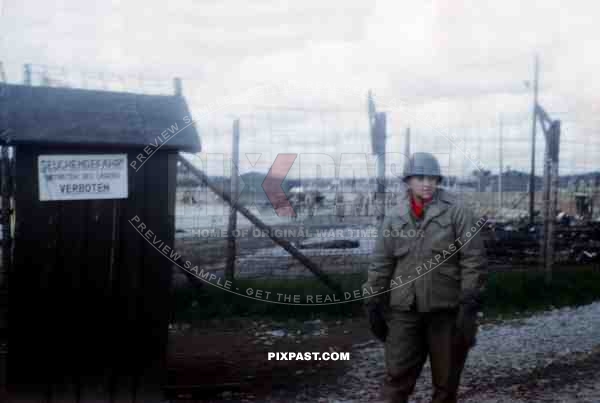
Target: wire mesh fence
[(331, 185), (335, 206), (336, 222), (334, 233)]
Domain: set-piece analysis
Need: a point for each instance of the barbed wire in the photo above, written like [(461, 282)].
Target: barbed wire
[(71, 77), (339, 129)]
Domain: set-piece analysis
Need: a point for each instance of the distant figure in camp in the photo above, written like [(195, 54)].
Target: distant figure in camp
[(339, 206), (296, 201), (310, 204), (186, 199), (359, 202)]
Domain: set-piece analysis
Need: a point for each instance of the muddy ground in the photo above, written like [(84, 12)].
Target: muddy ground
[(227, 362), (231, 356)]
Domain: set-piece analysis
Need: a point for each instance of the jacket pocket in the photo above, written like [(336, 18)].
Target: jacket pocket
[(445, 285), (401, 251), (443, 220), (444, 256), (449, 271), (441, 232), (447, 266)]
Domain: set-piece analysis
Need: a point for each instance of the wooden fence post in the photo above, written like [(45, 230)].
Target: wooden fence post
[(232, 227)]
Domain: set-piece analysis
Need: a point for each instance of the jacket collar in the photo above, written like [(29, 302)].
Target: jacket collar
[(441, 201)]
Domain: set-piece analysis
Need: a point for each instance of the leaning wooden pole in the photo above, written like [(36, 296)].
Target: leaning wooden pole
[(284, 243)]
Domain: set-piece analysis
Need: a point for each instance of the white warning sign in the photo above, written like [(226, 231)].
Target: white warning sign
[(82, 177)]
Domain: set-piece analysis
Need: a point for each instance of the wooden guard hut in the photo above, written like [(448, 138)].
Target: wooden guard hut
[(88, 304)]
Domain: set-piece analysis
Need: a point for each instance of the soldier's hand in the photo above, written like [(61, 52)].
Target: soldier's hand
[(466, 325), (377, 321)]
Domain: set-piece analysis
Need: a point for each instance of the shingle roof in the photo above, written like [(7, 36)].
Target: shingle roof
[(50, 115)]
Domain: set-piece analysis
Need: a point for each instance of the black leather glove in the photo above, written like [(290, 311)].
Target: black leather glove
[(466, 319), (379, 327)]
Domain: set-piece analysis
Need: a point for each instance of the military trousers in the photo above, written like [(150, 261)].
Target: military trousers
[(413, 337)]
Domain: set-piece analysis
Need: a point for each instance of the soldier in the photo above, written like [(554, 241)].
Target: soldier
[(437, 279)]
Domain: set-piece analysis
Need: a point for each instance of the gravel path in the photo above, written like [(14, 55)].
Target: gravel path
[(519, 357)]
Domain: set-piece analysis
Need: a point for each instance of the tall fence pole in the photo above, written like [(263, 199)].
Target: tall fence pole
[(380, 136), (550, 193), (407, 143), (231, 229), (554, 141), (500, 170), (2, 73), (177, 87), (546, 231), (27, 74), (377, 125), (533, 130)]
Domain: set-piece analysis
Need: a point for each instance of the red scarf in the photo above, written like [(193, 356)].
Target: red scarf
[(418, 206)]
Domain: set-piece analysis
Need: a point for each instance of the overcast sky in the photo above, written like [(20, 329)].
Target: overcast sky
[(297, 73)]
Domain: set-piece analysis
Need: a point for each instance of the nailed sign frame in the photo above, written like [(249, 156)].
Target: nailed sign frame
[(82, 177)]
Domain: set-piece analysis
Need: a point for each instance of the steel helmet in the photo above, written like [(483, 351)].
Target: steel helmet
[(422, 164)]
